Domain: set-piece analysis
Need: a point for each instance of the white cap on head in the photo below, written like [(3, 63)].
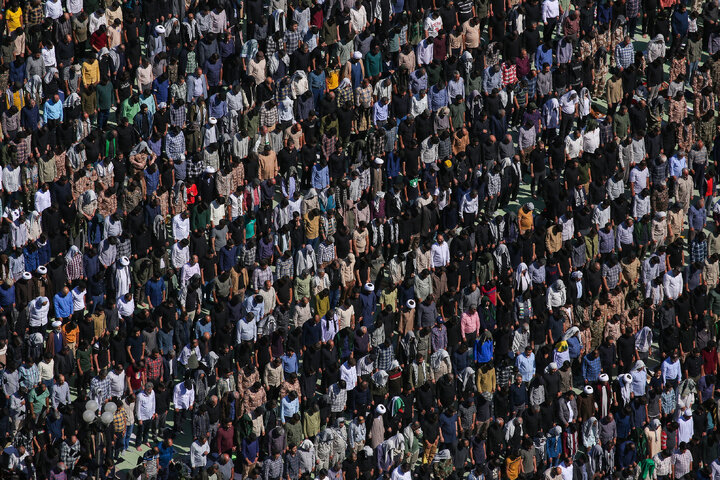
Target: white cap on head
[(410, 303), (209, 169), (379, 161), (27, 275), (125, 261), (357, 55), (160, 29), (42, 269), (688, 412), (604, 377), (56, 323), (370, 287), (381, 409), (627, 377), (213, 120), (553, 366), (588, 389), (162, 105)]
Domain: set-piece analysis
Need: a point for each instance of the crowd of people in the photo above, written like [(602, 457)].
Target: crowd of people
[(299, 239)]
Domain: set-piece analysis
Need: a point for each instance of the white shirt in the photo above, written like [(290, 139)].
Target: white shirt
[(418, 105), (74, 6), (182, 397), (78, 297), (573, 146), (567, 104), (440, 255), (145, 405), (117, 383), (181, 227), (125, 308), (42, 200), (424, 53), (397, 474), (673, 285), (48, 56), (550, 9), (686, 429), (198, 454), (349, 374), (38, 312), (179, 256), (53, 9)]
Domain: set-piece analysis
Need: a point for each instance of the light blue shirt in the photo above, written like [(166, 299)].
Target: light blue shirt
[(526, 366), (671, 370), (289, 408), (53, 111), (677, 165)]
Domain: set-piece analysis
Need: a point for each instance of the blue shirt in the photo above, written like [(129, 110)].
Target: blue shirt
[(160, 90), (526, 366), (677, 165), (437, 98), (542, 57), (290, 363), (52, 111), (320, 177), (7, 296), (289, 408), (154, 290), (166, 454), (63, 305)]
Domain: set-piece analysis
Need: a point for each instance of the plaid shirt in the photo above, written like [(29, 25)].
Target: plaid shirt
[(682, 462), (292, 40), (385, 357), (22, 152), (154, 368), (343, 95), (509, 74), (69, 455), (363, 97), (268, 117), (325, 253), (74, 268), (284, 268), (120, 419), (124, 248), (698, 251), (29, 376), (283, 92), (624, 55), (328, 145), (33, 15), (260, 276), (271, 47), (194, 167), (249, 255), (612, 275), (100, 390), (178, 114), (175, 145)]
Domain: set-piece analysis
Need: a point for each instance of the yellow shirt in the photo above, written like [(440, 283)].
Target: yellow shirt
[(312, 226), (14, 19), (90, 73), (512, 467), (71, 336), (333, 79)]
